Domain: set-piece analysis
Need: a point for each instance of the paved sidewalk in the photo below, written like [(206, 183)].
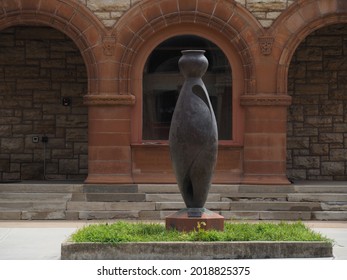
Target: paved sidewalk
[(29, 240)]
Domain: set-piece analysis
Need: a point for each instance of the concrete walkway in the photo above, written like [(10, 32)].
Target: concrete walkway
[(28, 240)]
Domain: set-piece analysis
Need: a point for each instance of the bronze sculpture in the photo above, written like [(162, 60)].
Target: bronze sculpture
[(193, 134)]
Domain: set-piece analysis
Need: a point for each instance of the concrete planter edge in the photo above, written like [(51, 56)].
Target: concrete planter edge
[(195, 250)]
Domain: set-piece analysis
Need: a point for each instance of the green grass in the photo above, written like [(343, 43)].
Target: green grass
[(144, 232)]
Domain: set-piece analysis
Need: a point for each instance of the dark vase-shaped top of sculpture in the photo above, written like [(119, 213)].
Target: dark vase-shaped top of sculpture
[(193, 133)]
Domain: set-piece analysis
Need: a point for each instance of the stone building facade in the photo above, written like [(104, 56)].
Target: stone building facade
[(72, 88)]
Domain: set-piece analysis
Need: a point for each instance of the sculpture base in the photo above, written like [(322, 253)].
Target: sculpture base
[(190, 219)]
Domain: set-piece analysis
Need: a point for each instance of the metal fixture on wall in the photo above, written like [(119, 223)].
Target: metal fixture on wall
[(66, 101), (44, 140)]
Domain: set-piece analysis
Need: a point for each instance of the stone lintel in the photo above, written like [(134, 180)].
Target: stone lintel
[(109, 99), (266, 100)]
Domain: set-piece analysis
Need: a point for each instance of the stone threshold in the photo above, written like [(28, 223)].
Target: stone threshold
[(195, 250)]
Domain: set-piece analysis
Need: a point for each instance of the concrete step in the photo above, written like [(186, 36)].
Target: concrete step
[(109, 197), (180, 205), (274, 206), (32, 215), (248, 206), (173, 188), (218, 188), (10, 214), (109, 188), (266, 189), (329, 215), (259, 215), (32, 205), (109, 206), (40, 188), (35, 196), (267, 215), (320, 189), (323, 197), (40, 201), (103, 215), (254, 197), (334, 206), (170, 197), (44, 215)]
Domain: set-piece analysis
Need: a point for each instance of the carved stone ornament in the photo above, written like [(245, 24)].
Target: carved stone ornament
[(102, 100), (109, 45), (265, 44)]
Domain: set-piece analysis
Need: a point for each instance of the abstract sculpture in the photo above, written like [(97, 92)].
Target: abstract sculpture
[(193, 133), (193, 138)]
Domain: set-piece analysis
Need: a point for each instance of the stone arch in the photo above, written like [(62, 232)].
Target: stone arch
[(225, 18), (301, 19), (67, 16)]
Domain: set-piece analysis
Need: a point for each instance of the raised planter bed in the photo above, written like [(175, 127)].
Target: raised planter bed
[(195, 250)]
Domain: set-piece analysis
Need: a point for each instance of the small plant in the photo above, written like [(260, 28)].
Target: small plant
[(156, 232), (200, 225)]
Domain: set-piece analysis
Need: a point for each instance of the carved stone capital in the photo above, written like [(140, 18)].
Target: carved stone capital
[(266, 100), (109, 100), (109, 45), (265, 44)]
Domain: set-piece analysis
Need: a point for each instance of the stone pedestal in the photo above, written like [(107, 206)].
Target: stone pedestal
[(190, 219)]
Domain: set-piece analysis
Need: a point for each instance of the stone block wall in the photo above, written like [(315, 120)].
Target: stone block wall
[(109, 11), (317, 119), (38, 67)]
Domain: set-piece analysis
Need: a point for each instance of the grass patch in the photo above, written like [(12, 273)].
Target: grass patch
[(143, 232)]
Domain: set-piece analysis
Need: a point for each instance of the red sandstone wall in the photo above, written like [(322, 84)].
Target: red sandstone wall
[(114, 49)]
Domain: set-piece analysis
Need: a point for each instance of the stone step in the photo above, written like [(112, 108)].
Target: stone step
[(274, 206), (10, 214), (35, 196), (334, 206), (266, 189), (180, 205), (267, 215), (44, 215), (320, 188), (218, 188), (173, 188), (329, 215), (323, 197), (109, 197), (259, 215), (169, 197), (109, 188), (254, 197), (109, 206), (105, 215), (41, 201), (41, 188), (32, 205), (248, 206)]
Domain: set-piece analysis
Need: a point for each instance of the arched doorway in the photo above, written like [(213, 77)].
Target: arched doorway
[(162, 82), (317, 130), (150, 157), (43, 122)]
